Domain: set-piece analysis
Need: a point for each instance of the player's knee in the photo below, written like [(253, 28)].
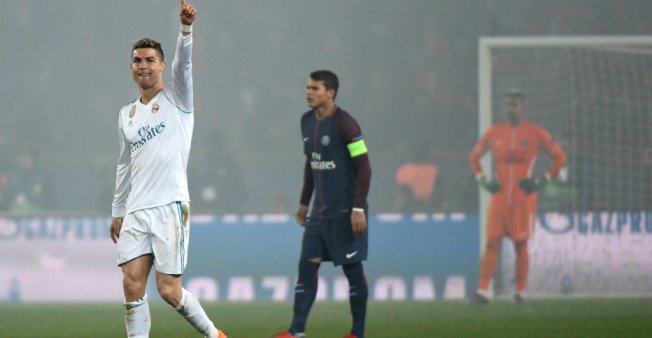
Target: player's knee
[(352, 270), (169, 293), (520, 246), (492, 245), (133, 285), (308, 267)]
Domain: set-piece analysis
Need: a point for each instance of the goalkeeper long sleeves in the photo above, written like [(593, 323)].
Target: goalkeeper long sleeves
[(515, 150)]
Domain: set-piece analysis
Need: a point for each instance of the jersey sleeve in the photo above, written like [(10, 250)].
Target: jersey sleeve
[(308, 184), (181, 77), (480, 148), (302, 125), (349, 130), (554, 150), (123, 175), (352, 137)]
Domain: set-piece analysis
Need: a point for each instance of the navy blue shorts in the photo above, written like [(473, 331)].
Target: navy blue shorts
[(333, 240)]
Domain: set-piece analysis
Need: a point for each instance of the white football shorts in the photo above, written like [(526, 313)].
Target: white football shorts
[(161, 231)]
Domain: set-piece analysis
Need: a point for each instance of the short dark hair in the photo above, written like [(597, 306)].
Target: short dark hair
[(149, 43), (515, 93), (329, 79)]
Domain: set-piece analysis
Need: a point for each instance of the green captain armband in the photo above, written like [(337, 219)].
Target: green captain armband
[(357, 147)]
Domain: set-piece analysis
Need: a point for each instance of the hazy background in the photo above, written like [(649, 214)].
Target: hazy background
[(408, 73)]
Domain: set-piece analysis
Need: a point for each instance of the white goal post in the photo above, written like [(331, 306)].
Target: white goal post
[(594, 95)]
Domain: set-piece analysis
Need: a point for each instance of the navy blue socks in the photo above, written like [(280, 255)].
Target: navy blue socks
[(358, 294), (305, 292)]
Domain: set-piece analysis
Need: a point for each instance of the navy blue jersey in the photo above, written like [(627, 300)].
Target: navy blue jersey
[(334, 147)]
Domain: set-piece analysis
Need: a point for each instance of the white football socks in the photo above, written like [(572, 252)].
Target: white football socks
[(195, 315), (137, 318), (484, 293)]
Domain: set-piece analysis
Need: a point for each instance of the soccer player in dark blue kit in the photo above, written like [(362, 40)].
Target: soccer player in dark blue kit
[(337, 172)]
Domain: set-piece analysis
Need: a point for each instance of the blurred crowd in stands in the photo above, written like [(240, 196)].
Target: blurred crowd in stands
[(408, 72)]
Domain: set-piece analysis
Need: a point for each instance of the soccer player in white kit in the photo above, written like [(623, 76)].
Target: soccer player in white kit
[(151, 202)]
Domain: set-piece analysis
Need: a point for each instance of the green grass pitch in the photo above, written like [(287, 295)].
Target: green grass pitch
[(572, 318)]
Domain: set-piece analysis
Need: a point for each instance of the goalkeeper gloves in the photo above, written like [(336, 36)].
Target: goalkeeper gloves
[(492, 186), (530, 185)]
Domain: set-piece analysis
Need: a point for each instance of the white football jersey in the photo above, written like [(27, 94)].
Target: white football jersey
[(155, 142)]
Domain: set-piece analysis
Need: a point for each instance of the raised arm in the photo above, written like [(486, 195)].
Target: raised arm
[(181, 81), (187, 14)]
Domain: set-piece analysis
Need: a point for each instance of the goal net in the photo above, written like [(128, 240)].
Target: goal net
[(594, 95)]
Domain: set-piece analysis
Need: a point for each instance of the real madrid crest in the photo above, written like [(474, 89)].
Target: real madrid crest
[(155, 108), (132, 112), (325, 140)]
